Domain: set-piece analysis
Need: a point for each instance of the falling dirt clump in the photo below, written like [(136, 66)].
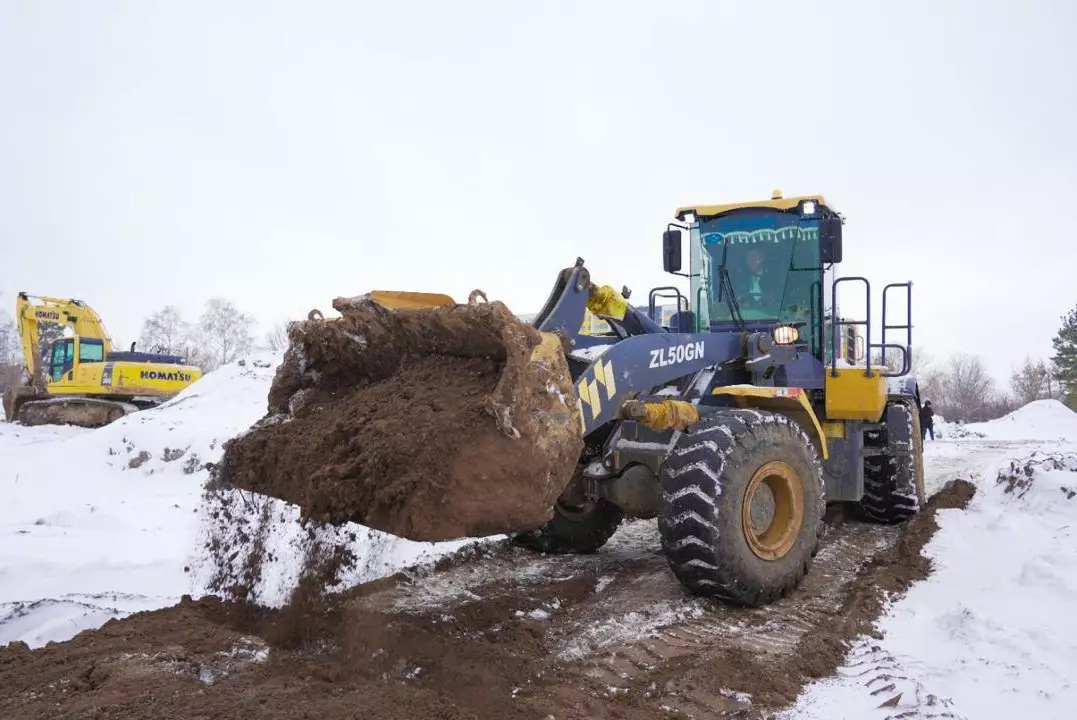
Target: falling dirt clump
[(428, 424)]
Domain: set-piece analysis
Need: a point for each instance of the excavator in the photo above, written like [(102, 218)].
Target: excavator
[(81, 380)]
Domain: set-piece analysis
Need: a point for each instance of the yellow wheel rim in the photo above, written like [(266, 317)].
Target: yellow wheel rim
[(773, 539)]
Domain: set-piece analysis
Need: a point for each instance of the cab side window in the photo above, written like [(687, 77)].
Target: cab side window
[(91, 351)]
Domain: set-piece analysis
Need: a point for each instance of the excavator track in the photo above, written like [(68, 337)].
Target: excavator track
[(81, 411)]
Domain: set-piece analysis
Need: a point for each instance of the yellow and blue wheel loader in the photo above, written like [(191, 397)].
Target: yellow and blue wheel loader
[(737, 423), (734, 421), (80, 379)]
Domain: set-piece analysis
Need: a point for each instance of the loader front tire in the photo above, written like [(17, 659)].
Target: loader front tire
[(894, 482), (711, 481), (580, 530)]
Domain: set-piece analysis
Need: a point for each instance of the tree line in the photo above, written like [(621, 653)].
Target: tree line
[(222, 334), (962, 390)]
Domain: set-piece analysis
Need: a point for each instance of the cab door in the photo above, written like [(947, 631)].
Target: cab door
[(61, 361)]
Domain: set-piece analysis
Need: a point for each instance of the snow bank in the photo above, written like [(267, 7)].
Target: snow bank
[(97, 524), (1039, 420), (990, 634), (1045, 420)]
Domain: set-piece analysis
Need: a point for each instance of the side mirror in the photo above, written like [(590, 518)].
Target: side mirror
[(830, 239), (671, 251)]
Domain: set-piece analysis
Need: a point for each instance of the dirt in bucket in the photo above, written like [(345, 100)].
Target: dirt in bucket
[(430, 425)]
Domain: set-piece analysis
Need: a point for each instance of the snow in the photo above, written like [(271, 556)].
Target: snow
[(101, 523), (991, 632), (1040, 420)]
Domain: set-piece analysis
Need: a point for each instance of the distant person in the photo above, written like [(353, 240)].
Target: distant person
[(927, 421)]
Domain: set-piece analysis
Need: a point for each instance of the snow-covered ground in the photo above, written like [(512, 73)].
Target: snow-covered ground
[(97, 524), (992, 632)]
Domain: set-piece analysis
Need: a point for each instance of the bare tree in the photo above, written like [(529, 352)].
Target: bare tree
[(999, 404), (921, 361), (894, 359), (964, 390), (165, 331), (276, 338), (10, 350), (11, 362), (1032, 381), (224, 332), (1055, 389)]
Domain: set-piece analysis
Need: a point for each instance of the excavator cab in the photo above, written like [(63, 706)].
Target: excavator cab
[(66, 354)]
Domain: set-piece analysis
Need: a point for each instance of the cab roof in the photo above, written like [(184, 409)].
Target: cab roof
[(776, 202)]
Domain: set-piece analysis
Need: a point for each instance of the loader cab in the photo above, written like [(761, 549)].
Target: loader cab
[(768, 267), (761, 266)]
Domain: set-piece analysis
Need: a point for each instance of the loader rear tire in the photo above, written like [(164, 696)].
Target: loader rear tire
[(575, 530), (894, 482), (709, 482)]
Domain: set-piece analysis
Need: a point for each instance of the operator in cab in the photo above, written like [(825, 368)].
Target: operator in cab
[(756, 286)]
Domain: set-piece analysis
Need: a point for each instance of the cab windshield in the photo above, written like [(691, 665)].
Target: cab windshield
[(758, 265)]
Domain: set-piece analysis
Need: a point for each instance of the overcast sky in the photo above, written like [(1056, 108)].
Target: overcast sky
[(281, 154)]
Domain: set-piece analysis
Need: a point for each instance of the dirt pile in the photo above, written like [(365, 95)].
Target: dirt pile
[(428, 424)]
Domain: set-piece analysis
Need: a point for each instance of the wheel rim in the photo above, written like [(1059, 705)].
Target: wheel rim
[(774, 539)]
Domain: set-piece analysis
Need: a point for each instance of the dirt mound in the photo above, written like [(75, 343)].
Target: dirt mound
[(206, 659), (427, 424), (485, 643)]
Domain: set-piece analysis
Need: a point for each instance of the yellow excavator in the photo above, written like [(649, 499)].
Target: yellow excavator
[(81, 380)]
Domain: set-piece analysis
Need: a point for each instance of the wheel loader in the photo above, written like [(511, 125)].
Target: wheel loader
[(734, 422), (80, 379)]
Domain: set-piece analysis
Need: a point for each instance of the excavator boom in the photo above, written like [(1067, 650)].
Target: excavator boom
[(75, 314)]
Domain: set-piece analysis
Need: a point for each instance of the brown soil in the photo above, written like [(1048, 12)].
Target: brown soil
[(385, 650), (430, 425)]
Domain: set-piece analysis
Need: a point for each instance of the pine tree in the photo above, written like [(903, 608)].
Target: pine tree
[(1065, 358)]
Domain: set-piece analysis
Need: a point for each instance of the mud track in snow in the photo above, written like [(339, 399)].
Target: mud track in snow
[(497, 632)]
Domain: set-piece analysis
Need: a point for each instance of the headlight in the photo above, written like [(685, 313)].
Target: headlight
[(786, 335)]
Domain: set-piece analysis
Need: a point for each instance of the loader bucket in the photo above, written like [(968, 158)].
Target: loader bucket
[(417, 416)]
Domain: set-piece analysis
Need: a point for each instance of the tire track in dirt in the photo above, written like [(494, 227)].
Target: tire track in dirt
[(495, 631)]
